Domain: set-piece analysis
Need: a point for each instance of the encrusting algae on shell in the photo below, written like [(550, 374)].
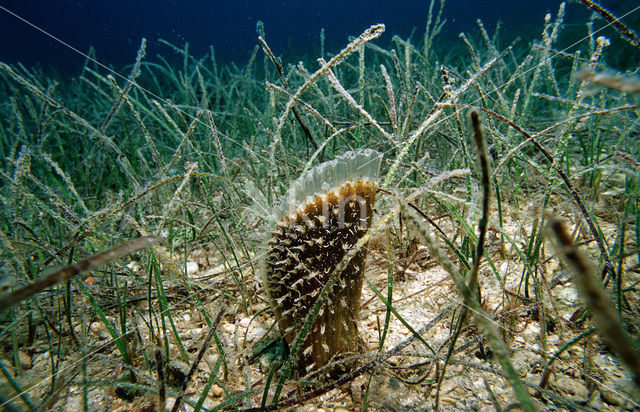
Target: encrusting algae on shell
[(324, 213)]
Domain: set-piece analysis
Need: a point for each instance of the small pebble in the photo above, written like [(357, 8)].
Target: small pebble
[(134, 267), (25, 360), (532, 332), (99, 329), (196, 333), (611, 397), (260, 332), (448, 386), (596, 401), (96, 327), (573, 388), (217, 391), (192, 267), (227, 328)]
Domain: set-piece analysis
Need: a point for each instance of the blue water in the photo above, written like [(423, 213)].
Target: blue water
[(114, 28)]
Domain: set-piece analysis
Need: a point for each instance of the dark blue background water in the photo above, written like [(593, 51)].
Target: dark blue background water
[(115, 27)]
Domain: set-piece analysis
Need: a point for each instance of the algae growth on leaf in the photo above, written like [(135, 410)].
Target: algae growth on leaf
[(338, 233)]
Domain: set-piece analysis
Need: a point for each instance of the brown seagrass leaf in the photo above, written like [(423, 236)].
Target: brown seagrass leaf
[(52, 276)]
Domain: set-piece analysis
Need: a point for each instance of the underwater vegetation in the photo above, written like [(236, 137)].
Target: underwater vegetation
[(421, 226)]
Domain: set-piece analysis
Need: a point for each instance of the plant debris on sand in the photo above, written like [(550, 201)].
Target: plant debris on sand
[(468, 301)]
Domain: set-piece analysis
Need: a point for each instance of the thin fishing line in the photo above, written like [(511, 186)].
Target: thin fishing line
[(112, 71), (166, 101)]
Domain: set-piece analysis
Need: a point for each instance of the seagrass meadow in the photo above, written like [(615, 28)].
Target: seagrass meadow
[(144, 267)]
